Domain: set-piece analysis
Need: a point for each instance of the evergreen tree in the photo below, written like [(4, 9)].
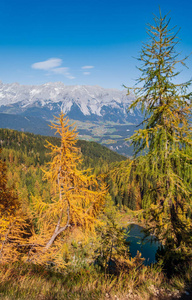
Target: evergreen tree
[(164, 144), (112, 253)]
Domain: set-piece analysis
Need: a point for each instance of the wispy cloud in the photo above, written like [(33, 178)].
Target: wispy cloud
[(87, 67), (69, 76), (53, 65), (61, 70), (86, 73), (47, 64)]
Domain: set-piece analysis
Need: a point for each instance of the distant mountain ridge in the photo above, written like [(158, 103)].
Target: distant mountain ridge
[(100, 114), (78, 102)]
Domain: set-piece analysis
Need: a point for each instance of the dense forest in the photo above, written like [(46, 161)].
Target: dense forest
[(62, 200), (26, 149), (26, 155), (31, 145)]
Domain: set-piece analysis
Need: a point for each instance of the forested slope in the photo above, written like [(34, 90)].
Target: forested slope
[(33, 146), (26, 155)]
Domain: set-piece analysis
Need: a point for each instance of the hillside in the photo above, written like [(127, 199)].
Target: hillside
[(110, 135), (34, 146)]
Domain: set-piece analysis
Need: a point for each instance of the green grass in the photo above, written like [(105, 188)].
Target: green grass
[(116, 136), (27, 281), (108, 142), (88, 138)]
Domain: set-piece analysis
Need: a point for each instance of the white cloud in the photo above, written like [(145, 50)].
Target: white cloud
[(53, 66), (69, 76), (47, 64), (86, 73), (61, 70), (87, 67)]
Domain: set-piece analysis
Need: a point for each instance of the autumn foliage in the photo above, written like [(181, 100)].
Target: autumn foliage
[(77, 198), (13, 225)]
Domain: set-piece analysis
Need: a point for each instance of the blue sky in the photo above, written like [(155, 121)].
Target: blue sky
[(82, 41)]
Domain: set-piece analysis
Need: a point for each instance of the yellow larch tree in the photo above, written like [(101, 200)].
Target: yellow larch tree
[(13, 226), (77, 197)]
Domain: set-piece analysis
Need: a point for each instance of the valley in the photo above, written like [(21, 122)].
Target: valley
[(99, 114), (108, 134)]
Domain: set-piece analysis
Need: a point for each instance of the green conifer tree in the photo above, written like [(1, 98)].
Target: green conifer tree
[(164, 167)]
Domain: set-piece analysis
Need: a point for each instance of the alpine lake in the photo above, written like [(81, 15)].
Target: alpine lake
[(147, 246)]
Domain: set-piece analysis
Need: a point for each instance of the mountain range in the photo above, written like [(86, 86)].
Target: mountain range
[(79, 102), (30, 107)]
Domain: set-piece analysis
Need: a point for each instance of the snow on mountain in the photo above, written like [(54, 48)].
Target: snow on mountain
[(92, 103), (90, 99), (31, 107)]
